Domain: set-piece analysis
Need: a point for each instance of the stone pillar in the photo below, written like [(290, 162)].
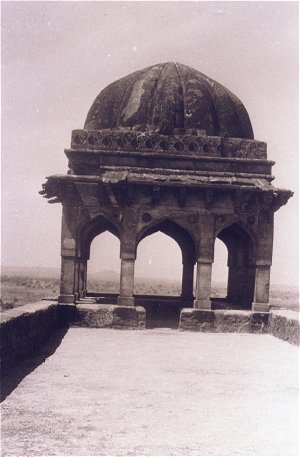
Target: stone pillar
[(128, 255), (263, 261), (126, 282), (69, 260), (237, 284), (240, 274), (82, 278), (262, 287), (76, 279), (232, 274), (187, 281), (205, 258), (203, 284), (67, 280)]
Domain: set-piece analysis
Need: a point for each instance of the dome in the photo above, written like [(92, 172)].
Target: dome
[(170, 96)]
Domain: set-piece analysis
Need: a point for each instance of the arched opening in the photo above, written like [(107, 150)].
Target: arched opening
[(219, 278), (158, 266), (241, 271), (166, 254), (99, 264), (103, 267)]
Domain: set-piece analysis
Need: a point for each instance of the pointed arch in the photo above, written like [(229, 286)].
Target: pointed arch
[(183, 237), (241, 246), (94, 228)]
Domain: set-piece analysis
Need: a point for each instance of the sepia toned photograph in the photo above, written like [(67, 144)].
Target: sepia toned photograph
[(149, 228)]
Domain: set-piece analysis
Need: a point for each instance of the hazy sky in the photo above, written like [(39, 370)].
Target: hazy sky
[(57, 56)]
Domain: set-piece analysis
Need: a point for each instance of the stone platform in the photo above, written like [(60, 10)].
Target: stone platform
[(153, 392), (25, 329)]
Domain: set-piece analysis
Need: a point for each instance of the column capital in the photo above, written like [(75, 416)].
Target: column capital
[(205, 260), (128, 256), (263, 263)]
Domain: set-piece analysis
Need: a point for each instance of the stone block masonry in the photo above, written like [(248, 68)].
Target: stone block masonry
[(285, 325), (25, 329), (110, 316), (282, 324)]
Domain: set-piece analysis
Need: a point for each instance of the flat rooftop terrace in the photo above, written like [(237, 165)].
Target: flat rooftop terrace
[(153, 392)]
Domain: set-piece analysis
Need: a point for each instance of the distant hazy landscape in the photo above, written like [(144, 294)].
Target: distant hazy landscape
[(21, 285)]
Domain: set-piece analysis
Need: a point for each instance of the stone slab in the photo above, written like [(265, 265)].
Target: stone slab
[(109, 316)]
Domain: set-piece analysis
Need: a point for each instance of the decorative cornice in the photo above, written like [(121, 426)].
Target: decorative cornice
[(185, 141)]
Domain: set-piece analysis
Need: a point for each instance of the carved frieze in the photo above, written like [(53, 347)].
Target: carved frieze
[(189, 141)]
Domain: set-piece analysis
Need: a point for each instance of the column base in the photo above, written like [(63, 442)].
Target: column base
[(66, 299), (110, 316), (197, 320), (125, 301), (202, 304), (261, 307)]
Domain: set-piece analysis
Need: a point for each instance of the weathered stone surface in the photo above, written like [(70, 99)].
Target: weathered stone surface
[(24, 329), (259, 322), (189, 100), (197, 320), (233, 321), (129, 317), (223, 321), (285, 325), (110, 316)]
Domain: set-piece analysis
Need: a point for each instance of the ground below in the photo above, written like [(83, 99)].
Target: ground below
[(153, 392)]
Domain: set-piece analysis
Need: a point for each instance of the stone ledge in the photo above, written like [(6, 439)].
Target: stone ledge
[(285, 324), (223, 321), (25, 329), (109, 316)]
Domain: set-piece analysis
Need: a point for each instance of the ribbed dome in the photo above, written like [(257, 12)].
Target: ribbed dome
[(170, 96)]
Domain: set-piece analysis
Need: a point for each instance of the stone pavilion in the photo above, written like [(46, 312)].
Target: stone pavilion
[(168, 149)]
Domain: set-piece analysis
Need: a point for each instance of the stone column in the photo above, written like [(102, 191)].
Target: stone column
[(76, 279), (262, 287), (128, 256), (69, 260), (187, 281), (82, 278), (67, 280), (232, 274), (203, 284), (205, 258), (237, 284), (240, 274), (263, 261), (126, 281)]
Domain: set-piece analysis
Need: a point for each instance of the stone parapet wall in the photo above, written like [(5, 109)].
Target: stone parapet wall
[(282, 324), (25, 329), (285, 325)]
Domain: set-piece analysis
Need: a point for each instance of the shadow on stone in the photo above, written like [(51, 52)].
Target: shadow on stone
[(162, 316), (12, 376)]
